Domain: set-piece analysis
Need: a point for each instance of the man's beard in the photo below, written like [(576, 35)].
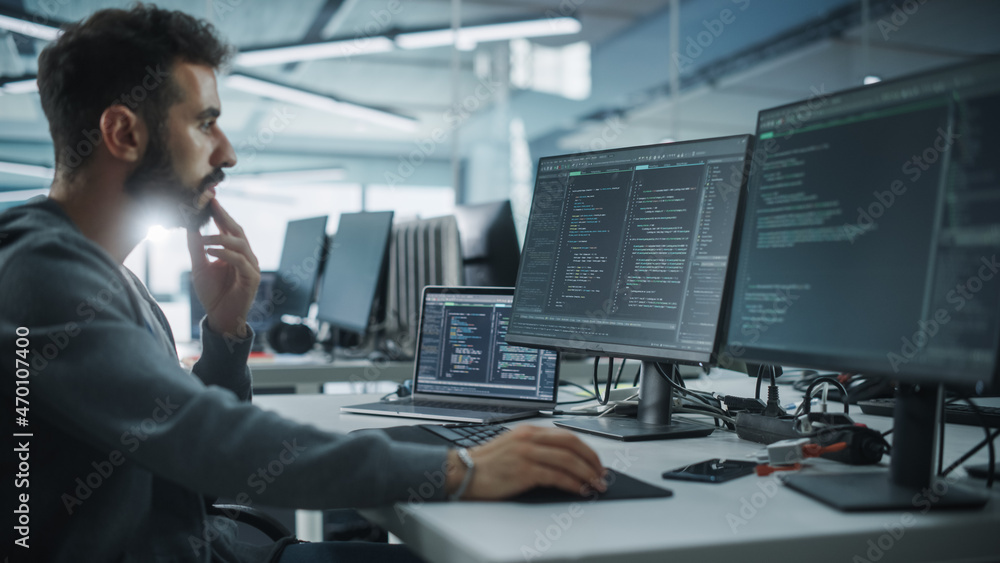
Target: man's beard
[(156, 183)]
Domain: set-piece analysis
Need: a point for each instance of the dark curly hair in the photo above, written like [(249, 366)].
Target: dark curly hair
[(118, 57)]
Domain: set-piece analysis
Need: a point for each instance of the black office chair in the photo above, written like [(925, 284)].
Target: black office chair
[(342, 524), (259, 519)]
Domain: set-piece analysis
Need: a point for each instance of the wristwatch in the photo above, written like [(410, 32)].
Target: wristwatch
[(470, 468)]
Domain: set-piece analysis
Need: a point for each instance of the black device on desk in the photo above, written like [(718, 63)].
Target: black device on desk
[(712, 471), (870, 245), (627, 254)]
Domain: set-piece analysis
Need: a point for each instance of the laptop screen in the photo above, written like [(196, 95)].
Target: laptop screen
[(463, 348)]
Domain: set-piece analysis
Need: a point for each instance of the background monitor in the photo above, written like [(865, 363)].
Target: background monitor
[(355, 270), (301, 264), (627, 254), (870, 245), (490, 251), (260, 318)]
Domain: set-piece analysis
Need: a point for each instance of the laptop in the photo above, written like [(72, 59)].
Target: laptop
[(464, 370)]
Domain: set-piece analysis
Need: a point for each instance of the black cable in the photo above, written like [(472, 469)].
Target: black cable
[(760, 376), (607, 390), (940, 438), (638, 372), (826, 379), (684, 392), (973, 452), (618, 378), (988, 442)]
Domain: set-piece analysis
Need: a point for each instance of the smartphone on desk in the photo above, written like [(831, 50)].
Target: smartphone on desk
[(712, 471)]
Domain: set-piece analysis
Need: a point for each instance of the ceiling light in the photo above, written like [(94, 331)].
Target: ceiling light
[(301, 97), (325, 50), (27, 170), (23, 27), (470, 36), (872, 79), (20, 87)]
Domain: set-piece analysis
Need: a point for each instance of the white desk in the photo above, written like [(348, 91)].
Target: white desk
[(752, 518)]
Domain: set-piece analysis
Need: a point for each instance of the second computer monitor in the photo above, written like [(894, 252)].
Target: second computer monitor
[(490, 251), (627, 251), (355, 270), (301, 263), (628, 254)]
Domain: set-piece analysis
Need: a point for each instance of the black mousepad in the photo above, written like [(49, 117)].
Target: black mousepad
[(620, 487)]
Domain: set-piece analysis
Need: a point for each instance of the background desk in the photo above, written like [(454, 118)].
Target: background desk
[(748, 519), (307, 374)]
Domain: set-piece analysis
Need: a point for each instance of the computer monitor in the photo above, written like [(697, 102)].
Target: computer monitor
[(260, 317), (627, 253), (870, 245), (355, 271), (490, 251), (301, 264)]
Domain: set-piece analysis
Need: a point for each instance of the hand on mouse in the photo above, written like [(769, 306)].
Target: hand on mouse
[(528, 457)]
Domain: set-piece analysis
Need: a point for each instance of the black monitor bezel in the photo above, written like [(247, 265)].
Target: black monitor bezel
[(377, 288), (685, 357), (845, 363)]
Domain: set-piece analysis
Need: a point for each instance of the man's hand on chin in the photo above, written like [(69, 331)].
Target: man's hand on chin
[(226, 287)]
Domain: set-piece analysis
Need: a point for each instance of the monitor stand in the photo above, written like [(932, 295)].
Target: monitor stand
[(654, 419), (909, 484)]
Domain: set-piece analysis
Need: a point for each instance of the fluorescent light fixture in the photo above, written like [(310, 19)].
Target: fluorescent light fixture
[(326, 50), (872, 79), (20, 87), (468, 37), (23, 27), (27, 170), (284, 93), (291, 177)]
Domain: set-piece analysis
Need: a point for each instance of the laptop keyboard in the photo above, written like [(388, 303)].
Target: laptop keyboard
[(466, 406), (465, 435)]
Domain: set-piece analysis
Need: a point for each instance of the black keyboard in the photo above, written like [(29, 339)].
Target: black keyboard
[(466, 407), (954, 413), (466, 435)]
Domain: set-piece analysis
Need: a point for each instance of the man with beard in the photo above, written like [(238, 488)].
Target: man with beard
[(125, 447)]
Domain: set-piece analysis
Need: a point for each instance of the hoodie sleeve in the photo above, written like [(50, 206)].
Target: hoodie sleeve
[(99, 376)]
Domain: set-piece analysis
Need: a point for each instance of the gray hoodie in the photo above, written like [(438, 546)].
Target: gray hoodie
[(126, 447)]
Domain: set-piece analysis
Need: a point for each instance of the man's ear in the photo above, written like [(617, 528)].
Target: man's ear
[(124, 134)]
